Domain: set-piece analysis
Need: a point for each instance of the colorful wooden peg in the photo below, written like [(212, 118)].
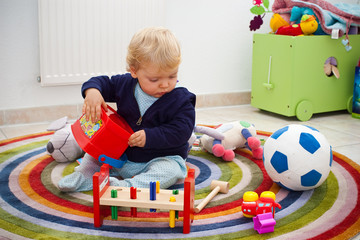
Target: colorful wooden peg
[(172, 214), (114, 209), (157, 187), (152, 194), (133, 196), (176, 192)]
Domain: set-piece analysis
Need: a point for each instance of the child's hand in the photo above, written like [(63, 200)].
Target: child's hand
[(137, 139), (92, 105)]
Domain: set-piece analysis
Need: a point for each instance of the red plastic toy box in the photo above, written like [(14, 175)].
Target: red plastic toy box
[(107, 138)]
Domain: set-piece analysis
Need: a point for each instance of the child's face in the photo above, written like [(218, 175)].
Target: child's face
[(154, 81)]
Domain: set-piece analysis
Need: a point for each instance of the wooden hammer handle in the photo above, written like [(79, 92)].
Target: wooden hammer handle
[(207, 199)]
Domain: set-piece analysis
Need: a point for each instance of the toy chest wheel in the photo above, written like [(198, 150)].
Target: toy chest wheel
[(288, 75), (107, 137)]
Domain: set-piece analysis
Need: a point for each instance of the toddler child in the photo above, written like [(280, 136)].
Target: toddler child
[(161, 115)]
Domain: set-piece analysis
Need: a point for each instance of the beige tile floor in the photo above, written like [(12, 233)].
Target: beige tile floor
[(341, 130)]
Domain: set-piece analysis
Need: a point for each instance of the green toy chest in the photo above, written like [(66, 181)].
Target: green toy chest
[(288, 75)]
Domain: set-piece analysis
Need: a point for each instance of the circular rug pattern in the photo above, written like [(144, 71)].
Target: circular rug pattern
[(32, 207)]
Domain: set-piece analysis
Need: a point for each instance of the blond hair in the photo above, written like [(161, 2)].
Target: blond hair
[(154, 45)]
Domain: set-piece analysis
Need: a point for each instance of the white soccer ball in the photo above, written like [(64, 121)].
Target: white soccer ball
[(297, 157)]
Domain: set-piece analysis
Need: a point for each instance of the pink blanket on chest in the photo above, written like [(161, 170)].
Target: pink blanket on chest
[(329, 16)]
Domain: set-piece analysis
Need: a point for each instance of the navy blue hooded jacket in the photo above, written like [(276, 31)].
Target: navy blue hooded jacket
[(168, 123)]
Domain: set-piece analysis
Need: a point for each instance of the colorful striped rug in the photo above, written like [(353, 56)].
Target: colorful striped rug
[(31, 207)]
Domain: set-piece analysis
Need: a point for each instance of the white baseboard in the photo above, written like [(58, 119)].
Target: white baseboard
[(51, 113)]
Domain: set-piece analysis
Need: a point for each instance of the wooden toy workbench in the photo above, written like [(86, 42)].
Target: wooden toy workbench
[(102, 197)]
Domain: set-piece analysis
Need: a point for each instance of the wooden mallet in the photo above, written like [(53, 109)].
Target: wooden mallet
[(216, 187)]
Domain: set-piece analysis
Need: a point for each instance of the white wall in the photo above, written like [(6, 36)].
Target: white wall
[(214, 34), (19, 60), (216, 43)]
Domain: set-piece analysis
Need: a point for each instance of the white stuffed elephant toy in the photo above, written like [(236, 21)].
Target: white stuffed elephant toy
[(62, 146), (223, 140)]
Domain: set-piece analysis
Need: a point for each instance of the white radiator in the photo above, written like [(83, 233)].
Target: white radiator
[(84, 38)]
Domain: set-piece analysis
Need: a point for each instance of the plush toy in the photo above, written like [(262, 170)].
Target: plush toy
[(298, 12), (222, 141), (307, 26), (277, 21), (62, 146)]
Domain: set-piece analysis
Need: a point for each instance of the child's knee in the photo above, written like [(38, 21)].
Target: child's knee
[(171, 167)]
